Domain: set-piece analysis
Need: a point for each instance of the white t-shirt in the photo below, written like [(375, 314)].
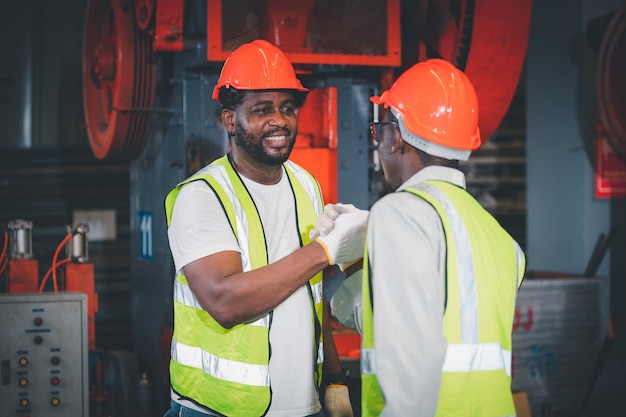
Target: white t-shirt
[(200, 228)]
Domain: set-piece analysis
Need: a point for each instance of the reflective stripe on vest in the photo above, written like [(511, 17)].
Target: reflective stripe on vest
[(242, 373), (459, 358), (465, 266), (477, 357), (227, 370), (465, 354)]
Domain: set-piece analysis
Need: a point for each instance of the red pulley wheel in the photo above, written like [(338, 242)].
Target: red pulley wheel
[(487, 39), (611, 82), (144, 13), (118, 79)]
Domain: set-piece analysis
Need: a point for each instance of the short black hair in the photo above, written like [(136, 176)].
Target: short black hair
[(230, 98), (428, 159)]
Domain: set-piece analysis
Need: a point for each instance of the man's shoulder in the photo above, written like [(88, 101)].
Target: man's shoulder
[(400, 202), (296, 167), (300, 172)]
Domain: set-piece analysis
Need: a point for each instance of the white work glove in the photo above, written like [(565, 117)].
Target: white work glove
[(326, 220), (344, 243), (346, 303), (337, 401)]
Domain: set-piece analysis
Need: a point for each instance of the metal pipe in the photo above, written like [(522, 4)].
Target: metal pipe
[(77, 246), (20, 239)]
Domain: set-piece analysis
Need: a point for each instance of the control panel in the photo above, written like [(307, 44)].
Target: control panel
[(43, 355)]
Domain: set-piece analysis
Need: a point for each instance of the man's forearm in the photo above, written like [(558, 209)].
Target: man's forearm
[(240, 297)]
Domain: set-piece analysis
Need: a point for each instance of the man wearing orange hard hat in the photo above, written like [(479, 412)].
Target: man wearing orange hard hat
[(251, 334), (440, 274)]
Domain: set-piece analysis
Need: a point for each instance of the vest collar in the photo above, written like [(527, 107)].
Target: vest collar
[(435, 172)]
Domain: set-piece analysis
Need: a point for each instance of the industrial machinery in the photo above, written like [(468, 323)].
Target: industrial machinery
[(149, 67), (44, 355), (48, 327), (609, 79), (22, 271)]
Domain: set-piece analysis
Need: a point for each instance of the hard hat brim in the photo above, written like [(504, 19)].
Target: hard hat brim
[(216, 90), (377, 100)]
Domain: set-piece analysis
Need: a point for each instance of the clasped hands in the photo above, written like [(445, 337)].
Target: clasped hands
[(341, 231)]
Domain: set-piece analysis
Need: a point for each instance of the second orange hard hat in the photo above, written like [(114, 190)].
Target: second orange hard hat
[(258, 65), (436, 103)]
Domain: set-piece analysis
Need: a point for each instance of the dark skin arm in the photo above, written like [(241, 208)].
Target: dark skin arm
[(331, 358), (232, 296), (332, 364)]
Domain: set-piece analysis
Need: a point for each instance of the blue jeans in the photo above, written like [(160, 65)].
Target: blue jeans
[(177, 410)]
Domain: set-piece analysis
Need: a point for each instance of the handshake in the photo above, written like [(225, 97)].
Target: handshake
[(341, 230)]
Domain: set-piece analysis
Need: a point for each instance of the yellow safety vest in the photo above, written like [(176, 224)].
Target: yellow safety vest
[(485, 268), (227, 370)]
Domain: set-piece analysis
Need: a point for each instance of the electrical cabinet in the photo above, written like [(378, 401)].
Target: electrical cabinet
[(43, 355)]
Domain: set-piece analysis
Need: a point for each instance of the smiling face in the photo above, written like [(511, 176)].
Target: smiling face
[(263, 128)]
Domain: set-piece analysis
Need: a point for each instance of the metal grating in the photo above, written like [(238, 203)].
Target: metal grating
[(363, 32)]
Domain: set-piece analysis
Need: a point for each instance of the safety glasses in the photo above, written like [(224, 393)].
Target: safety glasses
[(376, 129)]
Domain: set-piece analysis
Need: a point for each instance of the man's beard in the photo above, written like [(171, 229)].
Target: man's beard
[(253, 146)]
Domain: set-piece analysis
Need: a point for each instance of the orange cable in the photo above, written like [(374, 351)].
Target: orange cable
[(45, 278), (53, 267), (4, 261), (54, 260), (5, 246)]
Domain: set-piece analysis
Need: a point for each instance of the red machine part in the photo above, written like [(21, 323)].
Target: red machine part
[(118, 80), (487, 39), (316, 143), (169, 26), (287, 24), (22, 276), (611, 83), (80, 277), (309, 31)]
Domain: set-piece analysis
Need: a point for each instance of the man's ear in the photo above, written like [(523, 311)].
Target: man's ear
[(228, 118), (398, 143)]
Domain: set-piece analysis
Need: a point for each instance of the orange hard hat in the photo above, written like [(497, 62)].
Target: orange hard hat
[(437, 108), (258, 65)]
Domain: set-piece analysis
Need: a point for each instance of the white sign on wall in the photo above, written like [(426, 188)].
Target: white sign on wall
[(145, 231)]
